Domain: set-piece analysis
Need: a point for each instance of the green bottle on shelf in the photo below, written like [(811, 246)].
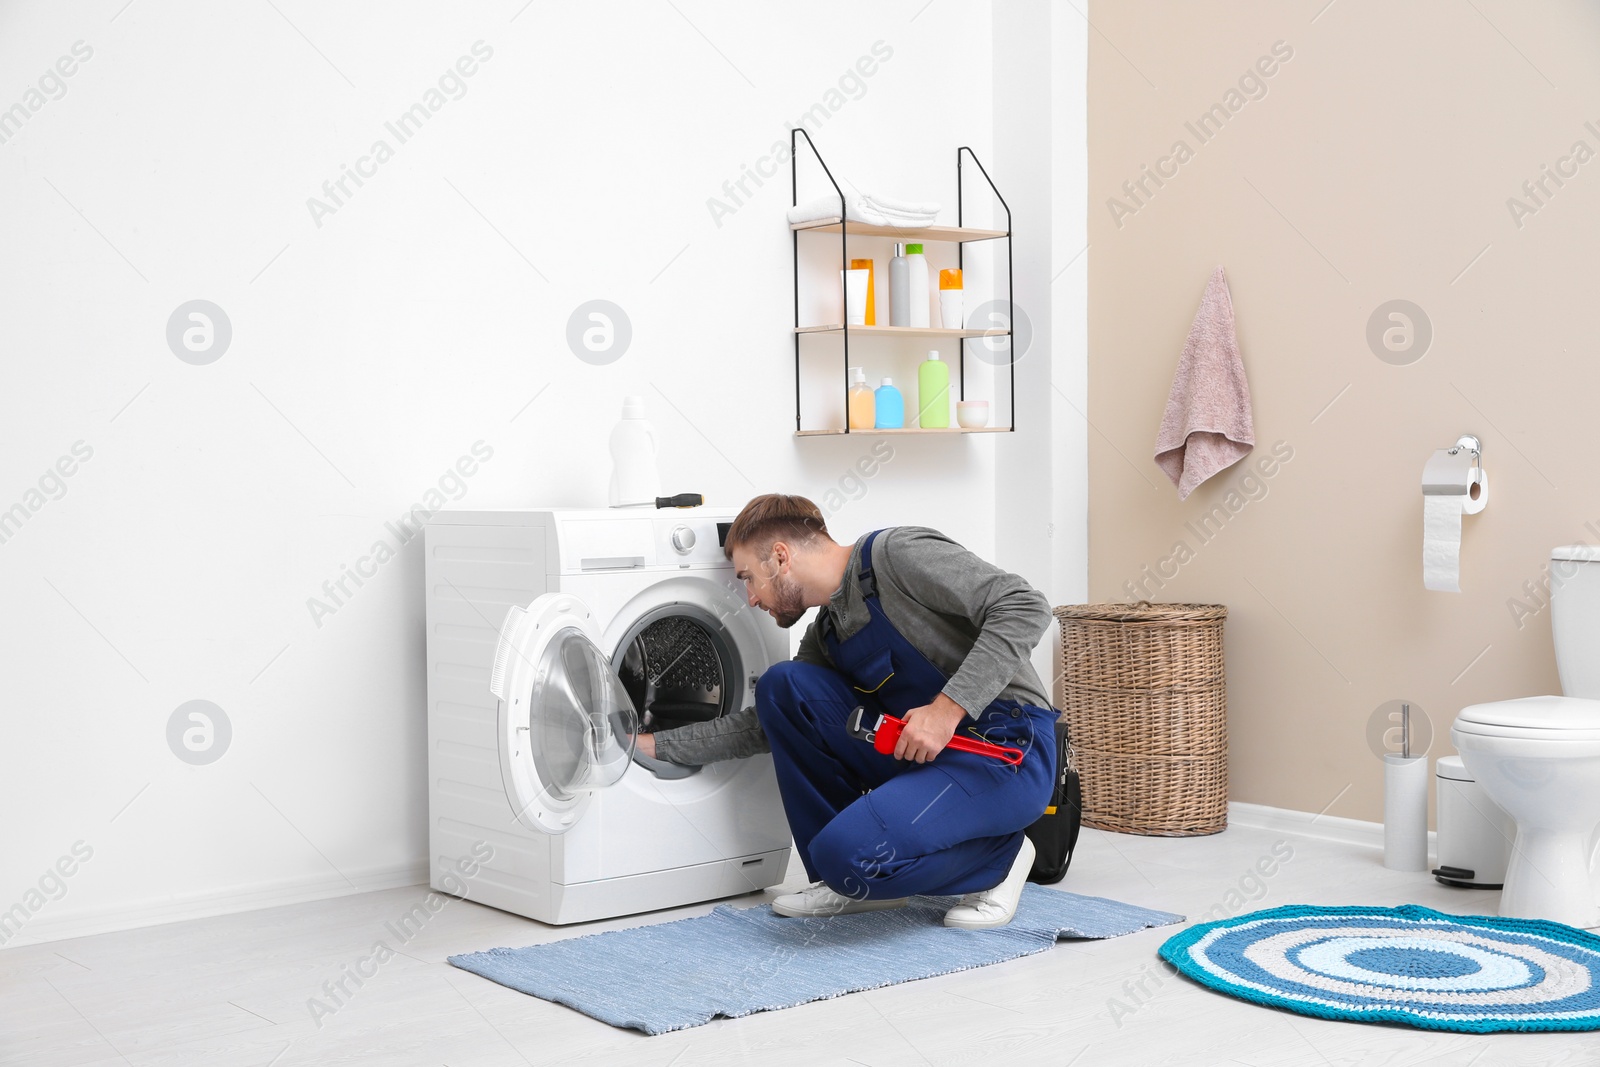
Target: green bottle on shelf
[(933, 393)]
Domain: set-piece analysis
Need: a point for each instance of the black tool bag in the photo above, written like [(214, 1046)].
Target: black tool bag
[(1055, 833)]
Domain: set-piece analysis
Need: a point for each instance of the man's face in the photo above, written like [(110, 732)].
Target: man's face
[(768, 585)]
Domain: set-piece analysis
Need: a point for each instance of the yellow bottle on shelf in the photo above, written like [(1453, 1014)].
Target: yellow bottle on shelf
[(872, 296), (863, 405)]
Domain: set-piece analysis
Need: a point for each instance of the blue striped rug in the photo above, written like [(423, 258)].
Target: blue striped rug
[(734, 962), (1410, 965)]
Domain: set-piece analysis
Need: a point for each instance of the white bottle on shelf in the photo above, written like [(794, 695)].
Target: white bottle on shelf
[(917, 266)]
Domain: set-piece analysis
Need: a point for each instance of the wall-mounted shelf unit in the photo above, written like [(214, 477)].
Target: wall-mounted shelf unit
[(958, 235)]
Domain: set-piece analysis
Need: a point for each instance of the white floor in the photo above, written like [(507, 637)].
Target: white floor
[(235, 991)]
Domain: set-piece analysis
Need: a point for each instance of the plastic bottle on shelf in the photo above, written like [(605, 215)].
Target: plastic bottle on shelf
[(872, 296), (933, 393), (863, 407), (891, 407), (950, 309), (917, 290), (899, 288)]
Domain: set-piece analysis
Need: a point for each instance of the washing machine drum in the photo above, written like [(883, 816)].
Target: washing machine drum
[(567, 725), (676, 670)]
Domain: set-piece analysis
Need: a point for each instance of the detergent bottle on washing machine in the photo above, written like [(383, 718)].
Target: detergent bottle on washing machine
[(635, 479)]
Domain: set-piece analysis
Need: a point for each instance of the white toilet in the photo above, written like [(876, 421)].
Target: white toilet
[(1539, 759)]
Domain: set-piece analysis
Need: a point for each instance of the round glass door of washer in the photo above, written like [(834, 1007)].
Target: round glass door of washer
[(567, 724), (583, 721)]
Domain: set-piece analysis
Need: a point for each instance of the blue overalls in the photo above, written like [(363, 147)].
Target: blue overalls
[(872, 826)]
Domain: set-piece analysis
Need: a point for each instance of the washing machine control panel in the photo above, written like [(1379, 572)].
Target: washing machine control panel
[(687, 540), (593, 542)]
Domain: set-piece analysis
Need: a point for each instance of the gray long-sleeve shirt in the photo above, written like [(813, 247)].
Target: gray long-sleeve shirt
[(977, 623)]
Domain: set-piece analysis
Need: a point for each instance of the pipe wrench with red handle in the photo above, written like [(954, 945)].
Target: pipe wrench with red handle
[(884, 732)]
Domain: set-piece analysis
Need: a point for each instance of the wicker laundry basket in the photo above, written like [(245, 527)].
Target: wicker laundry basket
[(1147, 704)]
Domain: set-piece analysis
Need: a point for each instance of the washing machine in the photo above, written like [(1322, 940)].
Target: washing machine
[(552, 636)]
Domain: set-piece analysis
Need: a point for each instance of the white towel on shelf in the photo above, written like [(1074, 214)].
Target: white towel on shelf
[(887, 207), (860, 207)]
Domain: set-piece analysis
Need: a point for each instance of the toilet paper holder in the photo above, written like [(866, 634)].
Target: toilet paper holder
[(1443, 476), (1454, 484)]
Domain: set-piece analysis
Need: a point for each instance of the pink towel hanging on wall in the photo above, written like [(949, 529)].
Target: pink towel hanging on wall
[(1207, 425)]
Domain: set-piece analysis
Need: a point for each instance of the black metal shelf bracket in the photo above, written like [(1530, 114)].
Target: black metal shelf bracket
[(844, 260), (1011, 337)]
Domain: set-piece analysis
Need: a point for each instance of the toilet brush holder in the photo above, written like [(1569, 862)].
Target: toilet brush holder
[(1405, 812)]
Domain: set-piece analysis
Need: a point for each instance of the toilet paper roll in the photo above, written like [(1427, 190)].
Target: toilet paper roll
[(1405, 813), (1441, 542), (1452, 486)]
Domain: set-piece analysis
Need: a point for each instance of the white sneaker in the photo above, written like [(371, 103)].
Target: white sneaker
[(818, 899), (994, 907)]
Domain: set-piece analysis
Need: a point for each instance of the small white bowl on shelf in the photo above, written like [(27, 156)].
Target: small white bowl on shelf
[(972, 414)]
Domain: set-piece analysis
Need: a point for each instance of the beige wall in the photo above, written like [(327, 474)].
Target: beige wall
[(1377, 166)]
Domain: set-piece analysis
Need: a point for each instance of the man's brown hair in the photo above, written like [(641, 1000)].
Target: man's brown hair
[(775, 517)]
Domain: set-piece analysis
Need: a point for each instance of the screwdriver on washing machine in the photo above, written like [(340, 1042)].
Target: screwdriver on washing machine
[(884, 731)]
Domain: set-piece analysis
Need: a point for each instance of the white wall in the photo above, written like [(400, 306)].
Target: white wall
[(1069, 279), (1041, 471), (369, 353)]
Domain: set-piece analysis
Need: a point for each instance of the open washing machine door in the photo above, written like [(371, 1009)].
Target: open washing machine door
[(567, 726)]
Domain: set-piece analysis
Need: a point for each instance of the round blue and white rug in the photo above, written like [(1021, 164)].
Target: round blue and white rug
[(1411, 965)]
